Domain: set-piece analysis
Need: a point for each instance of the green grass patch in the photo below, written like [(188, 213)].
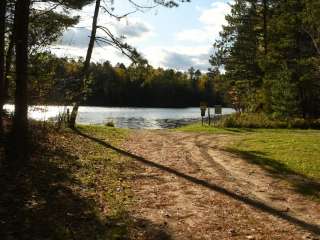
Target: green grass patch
[(297, 150), (205, 128), (293, 155)]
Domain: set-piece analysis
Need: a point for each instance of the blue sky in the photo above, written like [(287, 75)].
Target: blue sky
[(172, 38)]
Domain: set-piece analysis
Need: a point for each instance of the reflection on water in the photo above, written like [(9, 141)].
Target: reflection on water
[(151, 118)]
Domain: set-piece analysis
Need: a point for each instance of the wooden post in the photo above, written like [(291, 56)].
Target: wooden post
[(203, 108)]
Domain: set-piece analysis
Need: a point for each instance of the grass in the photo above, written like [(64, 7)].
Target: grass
[(293, 155), (73, 188), (198, 127), (296, 150)]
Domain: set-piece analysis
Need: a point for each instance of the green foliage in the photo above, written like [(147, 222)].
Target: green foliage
[(110, 124), (143, 85), (246, 120), (269, 50), (284, 94), (252, 120), (46, 27), (73, 4), (57, 81)]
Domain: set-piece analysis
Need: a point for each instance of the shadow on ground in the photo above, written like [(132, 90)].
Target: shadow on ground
[(246, 200), (42, 201), (301, 183)]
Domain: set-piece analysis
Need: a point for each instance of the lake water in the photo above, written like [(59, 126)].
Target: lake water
[(122, 117)]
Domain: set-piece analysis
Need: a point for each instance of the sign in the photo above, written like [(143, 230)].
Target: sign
[(203, 108), (217, 109)]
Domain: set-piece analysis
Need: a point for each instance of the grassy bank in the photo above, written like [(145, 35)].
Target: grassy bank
[(198, 127), (285, 152), (73, 188)]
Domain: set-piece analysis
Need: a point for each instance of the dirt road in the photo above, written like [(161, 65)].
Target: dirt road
[(188, 187)]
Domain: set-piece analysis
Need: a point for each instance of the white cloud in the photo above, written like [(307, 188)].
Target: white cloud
[(193, 35), (211, 19), (134, 31), (179, 57), (100, 54), (134, 28), (215, 16)]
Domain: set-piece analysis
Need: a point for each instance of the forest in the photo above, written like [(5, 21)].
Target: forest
[(54, 80), (269, 51)]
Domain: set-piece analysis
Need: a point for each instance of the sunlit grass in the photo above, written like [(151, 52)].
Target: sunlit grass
[(297, 150), (198, 127)]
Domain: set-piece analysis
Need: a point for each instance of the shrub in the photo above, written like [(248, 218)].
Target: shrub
[(110, 124), (252, 120)]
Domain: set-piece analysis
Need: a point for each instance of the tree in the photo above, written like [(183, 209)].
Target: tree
[(112, 40), (45, 26), (21, 40), (238, 49), (20, 123), (269, 51), (311, 22), (85, 70), (292, 59), (3, 5)]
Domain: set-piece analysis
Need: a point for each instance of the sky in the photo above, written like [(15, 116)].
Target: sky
[(175, 38)]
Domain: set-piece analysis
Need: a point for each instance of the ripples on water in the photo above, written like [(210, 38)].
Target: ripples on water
[(139, 123), (149, 118)]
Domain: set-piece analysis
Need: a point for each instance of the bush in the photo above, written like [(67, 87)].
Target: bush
[(252, 120), (110, 124), (304, 123)]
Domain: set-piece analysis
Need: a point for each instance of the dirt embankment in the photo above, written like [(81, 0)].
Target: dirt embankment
[(191, 188)]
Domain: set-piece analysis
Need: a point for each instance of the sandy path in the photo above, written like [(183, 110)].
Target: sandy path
[(188, 187)]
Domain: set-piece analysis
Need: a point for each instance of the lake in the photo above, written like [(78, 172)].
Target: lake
[(123, 117)]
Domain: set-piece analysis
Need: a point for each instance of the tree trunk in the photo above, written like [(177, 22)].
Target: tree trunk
[(20, 123), (3, 5), (265, 26), (85, 70), (9, 55), (73, 116)]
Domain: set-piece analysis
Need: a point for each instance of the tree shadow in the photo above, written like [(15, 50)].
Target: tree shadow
[(313, 228), (43, 200), (301, 183)]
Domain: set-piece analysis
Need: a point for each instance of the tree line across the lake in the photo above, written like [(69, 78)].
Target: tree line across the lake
[(55, 80)]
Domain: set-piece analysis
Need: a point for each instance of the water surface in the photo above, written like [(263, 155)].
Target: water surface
[(122, 117)]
